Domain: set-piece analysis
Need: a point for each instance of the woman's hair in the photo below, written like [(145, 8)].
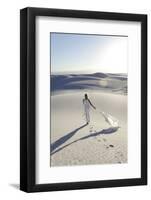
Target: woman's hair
[(86, 96)]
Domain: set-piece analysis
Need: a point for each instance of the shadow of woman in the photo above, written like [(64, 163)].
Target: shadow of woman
[(63, 139), (104, 131)]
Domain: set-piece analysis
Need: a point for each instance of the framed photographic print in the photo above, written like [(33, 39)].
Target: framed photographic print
[(83, 99)]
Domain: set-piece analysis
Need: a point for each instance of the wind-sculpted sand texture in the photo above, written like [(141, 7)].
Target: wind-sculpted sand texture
[(116, 83)]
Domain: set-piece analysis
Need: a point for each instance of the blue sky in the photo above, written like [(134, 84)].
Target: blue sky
[(88, 53)]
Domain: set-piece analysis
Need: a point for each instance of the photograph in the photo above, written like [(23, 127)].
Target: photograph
[(83, 99), (88, 99)]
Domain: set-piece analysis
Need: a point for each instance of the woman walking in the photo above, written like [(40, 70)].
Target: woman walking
[(87, 103)]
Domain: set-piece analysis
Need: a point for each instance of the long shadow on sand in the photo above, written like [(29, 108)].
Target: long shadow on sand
[(104, 131), (63, 139)]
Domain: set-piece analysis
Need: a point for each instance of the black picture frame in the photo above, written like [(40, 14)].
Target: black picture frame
[(28, 99)]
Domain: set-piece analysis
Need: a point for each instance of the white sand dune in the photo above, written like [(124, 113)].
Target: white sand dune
[(75, 143), (116, 83)]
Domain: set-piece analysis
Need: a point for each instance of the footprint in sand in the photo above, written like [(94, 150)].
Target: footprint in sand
[(91, 129), (109, 146)]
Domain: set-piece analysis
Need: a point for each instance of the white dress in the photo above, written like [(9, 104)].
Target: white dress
[(86, 109)]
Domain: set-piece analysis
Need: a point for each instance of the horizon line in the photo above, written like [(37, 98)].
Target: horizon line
[(85, 72)]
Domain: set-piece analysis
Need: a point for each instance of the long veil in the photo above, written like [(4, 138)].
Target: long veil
[(110, 119)]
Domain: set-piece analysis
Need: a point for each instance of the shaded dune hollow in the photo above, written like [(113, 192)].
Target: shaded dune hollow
[(96, 81)]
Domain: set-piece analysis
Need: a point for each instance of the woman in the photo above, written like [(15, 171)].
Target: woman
[(87, 103)]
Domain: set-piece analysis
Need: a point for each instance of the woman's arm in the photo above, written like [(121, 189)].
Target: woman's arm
[(91, 104)]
